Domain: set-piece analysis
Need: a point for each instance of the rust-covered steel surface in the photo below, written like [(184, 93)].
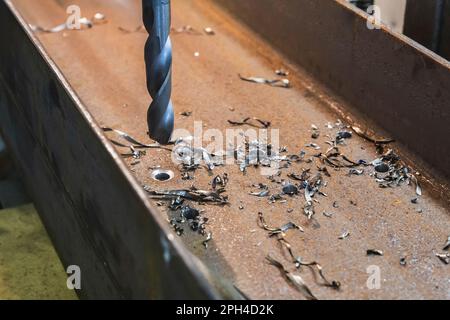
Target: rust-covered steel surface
[(105, 67)]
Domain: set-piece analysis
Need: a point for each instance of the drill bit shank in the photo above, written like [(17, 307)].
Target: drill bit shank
[(158, 60)]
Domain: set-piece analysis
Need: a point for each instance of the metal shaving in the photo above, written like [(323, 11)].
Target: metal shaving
[(186, 29), (275, 231), (208, 239), (313, 145), (327, 214), (276, 197), (374, 252), (403, 261), (186, 113), (355, 172), (220, 181), (200, 196), (188, 215), (311, 187), (256, 153), (324, 170), (281, 83), (189, 212), (134, 143), (332, 284), (304, 176), (391, 172), (176, 204), (447, 245), (135, 154), (334, 158), (381, 168), (186, 176), (370, 138), (253, 122), (190, 156), (293, 279), (290, 189), (98, 18), (342, 135), (444, 257), (178, 230), (261, 194), (299, 263), (281, 73), (308, 209), (315, 132)]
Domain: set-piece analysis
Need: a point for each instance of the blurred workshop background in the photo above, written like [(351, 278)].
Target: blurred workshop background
[(29, 266), (427, 22)]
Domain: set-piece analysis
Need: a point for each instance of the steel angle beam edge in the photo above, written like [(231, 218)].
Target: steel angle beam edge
[(396, 82), (94, 211)]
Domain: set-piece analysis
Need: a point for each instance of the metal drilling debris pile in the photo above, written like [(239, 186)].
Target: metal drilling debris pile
[(388, 171)]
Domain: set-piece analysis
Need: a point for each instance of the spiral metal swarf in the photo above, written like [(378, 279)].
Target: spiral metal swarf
[(158, 60)]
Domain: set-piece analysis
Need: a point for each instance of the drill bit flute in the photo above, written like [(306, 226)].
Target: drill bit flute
[(158, 60)]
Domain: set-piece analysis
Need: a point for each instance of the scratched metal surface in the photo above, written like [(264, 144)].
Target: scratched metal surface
[(106, 69)]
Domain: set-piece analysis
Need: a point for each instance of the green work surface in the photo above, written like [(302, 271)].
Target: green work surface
[(29, 265)]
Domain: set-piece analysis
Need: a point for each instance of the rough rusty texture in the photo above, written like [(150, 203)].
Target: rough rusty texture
[(105, 67)]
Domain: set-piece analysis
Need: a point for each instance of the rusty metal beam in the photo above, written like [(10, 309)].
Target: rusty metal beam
[(96, 213)]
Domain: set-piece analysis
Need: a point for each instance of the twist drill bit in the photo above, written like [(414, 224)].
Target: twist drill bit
[(158, 60)]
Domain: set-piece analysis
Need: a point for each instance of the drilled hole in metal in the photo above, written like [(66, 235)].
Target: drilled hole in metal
[(162, 175)]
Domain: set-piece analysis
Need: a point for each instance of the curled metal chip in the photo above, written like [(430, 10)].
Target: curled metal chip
[(134, 143), (208, 239), (189, 212), (186, 29), (344, 235), (403, 261), (281, 73), (371, 138), (356, 172), (261, 194), (293, 279), (290, 189), (327, 214), (344, 135), (98, 18), (444, 257), (253, 122)]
